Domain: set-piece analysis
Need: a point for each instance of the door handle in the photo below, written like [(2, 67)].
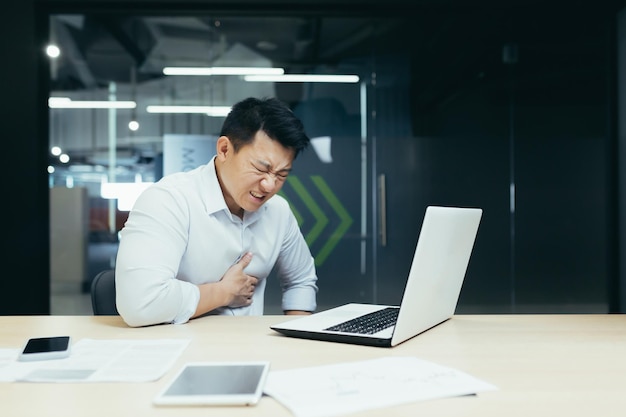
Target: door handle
[(382, 209)]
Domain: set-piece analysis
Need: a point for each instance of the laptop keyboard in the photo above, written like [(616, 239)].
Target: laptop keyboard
[(369, 323)]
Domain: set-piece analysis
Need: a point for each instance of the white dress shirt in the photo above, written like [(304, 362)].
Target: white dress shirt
[(180, 233)]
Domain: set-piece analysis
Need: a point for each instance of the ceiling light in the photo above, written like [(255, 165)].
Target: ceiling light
[(67, 103), (215, 111), (303, 78), (266, 45), (53, 51), (221, 71)]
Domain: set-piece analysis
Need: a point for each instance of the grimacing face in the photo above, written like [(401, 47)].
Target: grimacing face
[(254, 174)]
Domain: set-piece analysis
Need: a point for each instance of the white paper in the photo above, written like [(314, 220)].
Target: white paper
[(97, 360), (345, 388)]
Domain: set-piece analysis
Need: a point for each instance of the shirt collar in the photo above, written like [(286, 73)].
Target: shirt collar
[(213, 198)]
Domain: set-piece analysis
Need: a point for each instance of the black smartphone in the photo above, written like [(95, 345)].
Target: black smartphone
[(44, 348)]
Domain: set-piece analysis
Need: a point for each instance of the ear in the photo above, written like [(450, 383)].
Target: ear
[(223, 147)]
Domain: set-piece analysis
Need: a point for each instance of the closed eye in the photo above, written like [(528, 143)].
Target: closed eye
[(281, 175)]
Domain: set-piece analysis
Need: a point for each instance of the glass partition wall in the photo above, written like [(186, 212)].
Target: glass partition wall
[(425, 108)]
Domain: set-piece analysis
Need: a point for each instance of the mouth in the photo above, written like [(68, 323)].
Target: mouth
[(257, 196)]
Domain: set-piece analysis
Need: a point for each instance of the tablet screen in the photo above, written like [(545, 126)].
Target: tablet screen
[(216, 383)]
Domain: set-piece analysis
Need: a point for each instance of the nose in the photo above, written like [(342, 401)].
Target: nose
[(269, 182)]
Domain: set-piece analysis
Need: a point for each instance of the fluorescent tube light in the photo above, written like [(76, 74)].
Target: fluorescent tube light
[(67, 103), (303, 78), (215, 111), (221, 71)]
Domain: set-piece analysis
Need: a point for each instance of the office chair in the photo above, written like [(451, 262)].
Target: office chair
[(103, 294)]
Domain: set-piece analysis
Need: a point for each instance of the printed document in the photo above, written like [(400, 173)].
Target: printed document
[(97, 360), (345, 388)]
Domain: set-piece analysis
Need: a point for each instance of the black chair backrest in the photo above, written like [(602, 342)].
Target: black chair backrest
[(103, 294)]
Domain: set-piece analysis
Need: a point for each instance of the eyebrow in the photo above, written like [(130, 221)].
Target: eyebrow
[(268, 166)]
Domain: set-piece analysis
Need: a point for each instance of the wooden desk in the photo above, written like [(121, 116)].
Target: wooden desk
[(543, 365)]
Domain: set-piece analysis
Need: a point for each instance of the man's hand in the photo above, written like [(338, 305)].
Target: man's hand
[(235, 289), (238, 285)]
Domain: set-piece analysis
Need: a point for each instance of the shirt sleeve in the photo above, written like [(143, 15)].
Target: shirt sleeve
[(152, 243), (296, 269)]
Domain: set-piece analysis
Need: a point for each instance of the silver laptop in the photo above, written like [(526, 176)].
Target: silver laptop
[(430, 296)]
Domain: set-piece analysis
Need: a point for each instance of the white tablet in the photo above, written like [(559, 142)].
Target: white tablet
[(216, 383)]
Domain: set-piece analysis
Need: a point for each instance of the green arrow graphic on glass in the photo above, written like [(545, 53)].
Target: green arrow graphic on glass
[(321, 220)]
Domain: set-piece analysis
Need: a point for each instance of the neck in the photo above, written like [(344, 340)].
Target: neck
[(230, 203)]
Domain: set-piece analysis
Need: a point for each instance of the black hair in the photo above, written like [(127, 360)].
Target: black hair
[(270, 115)]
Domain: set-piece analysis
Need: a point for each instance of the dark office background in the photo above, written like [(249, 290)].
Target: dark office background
[(538, 106)]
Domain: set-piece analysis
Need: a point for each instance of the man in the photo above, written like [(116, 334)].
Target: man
[(204, 241)]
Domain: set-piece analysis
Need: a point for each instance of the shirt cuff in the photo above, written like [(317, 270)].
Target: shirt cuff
[(302, 299), (191, 297)]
